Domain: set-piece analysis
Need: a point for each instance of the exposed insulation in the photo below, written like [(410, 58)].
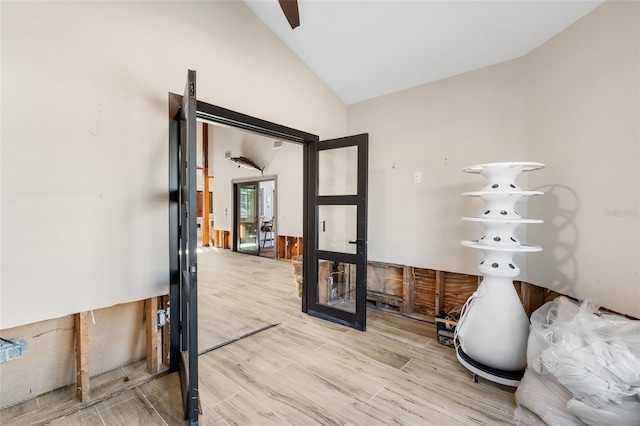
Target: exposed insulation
[(385, 278)]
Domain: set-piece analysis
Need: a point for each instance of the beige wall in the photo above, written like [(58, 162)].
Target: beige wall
[(571, 104), (84, 137), (583, 93), (437, 129), (84, 147), (284, 163)]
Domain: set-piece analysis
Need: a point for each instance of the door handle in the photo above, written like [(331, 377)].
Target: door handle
[(358, 241)]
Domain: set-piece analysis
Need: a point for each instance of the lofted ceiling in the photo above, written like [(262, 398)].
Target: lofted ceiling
[(363, 49)]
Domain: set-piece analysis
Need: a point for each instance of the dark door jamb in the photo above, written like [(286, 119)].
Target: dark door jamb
[(218, 115)]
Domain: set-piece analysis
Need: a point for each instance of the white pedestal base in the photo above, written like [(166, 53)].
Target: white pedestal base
[(507, 378)]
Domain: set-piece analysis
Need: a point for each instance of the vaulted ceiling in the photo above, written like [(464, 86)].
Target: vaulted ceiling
[(364, 49)]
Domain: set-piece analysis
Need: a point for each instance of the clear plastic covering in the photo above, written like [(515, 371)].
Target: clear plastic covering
[(583, 368)]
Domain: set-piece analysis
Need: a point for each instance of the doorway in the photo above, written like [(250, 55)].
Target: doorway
[(184, 111), (254, 221)]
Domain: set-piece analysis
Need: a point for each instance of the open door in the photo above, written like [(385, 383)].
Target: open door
[(338, 267), (183, 237), (334, 218)]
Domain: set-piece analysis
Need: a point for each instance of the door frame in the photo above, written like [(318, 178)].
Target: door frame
[(214, 114), (217, 115)]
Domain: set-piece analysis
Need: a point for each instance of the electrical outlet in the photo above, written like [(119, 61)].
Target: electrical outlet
[(417, 177), (11, 349), (162, 318)]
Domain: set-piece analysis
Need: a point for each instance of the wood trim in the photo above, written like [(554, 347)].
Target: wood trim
[(408, 290), (439, 299), (82, 356), (152, 341), (166, 338)]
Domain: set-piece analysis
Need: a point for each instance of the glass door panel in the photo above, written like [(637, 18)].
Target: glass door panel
[(338, 288), (338, 226), (338, 171), (337, 285), (247, 223)]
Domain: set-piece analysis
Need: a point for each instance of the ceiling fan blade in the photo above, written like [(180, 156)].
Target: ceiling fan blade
[(290, 10)]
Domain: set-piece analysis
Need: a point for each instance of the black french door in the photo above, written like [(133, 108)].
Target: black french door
[(334, 217), (182, 245), (337, 290)]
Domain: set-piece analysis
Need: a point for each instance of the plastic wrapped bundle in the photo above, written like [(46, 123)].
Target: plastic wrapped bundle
[(583, 368)]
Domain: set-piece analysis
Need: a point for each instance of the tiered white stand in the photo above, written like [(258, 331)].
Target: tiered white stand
[(492, 333)]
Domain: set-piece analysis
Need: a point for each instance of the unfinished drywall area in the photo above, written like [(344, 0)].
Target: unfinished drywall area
[(116, 338), (48, 362), (584, 119), (84, 169), (436, 130)]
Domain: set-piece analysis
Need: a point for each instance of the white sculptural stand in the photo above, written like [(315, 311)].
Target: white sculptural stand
[(491, 336)]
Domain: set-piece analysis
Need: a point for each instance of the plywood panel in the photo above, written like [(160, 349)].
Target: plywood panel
[(532, 297), (324, 272), (458, 288), (282, 247), (289, 246), (300, 246), (425, 290)]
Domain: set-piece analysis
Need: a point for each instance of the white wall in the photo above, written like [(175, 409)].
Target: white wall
[(284, 163), (267, 190), (84, 137), (437, 129), (584, 119), (572, 104), (84, 147)]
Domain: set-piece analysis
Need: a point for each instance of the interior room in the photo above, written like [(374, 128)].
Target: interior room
[(292, 297)]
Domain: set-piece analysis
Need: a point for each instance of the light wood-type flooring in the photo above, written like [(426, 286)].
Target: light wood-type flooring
[(302, 371)]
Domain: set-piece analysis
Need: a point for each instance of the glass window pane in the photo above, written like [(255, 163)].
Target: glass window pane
[(338, 171), (337, 284), (337, 226), (247, 220)]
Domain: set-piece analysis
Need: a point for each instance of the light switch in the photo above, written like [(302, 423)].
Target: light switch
[(417, 177)]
